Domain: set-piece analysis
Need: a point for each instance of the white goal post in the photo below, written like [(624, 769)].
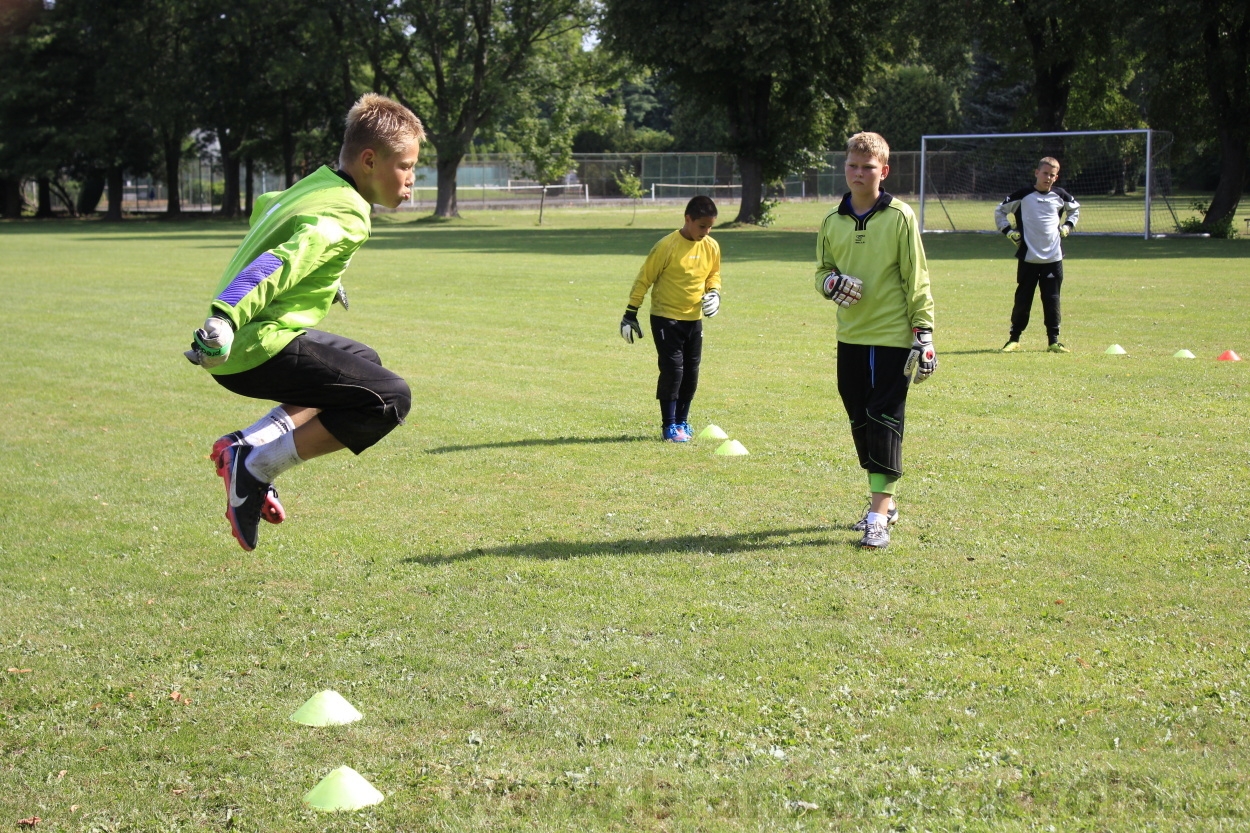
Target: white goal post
[(1121, 178)]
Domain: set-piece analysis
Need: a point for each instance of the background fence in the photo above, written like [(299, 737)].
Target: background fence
[(500, 180)]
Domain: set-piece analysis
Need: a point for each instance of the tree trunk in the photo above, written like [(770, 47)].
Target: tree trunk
[(1233, 147), (116, 189), (230, 184), (11, 199), (448, 168), (92, 190), (43, 187), (751, 172), (249, 194), (173, 165)]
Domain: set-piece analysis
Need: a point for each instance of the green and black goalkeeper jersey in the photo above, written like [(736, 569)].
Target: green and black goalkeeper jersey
[(287, 271), (883, 250)]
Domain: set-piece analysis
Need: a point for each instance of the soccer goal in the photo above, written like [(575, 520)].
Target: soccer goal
[(1121, 178), (677, 190)]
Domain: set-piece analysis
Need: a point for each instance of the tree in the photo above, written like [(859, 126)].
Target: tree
[(781, 74), (908, 102), (459, 63)]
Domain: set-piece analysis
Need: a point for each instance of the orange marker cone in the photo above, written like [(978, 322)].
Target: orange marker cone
[(1228, 356)]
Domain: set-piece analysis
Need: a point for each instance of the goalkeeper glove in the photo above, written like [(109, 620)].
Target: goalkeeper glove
[(1064, 229), (630, 328), (210, 346), (711, 303), (843, 290), (922, 360), (1014, 236)]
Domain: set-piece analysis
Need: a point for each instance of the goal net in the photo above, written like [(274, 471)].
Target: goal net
[(1121, 178)]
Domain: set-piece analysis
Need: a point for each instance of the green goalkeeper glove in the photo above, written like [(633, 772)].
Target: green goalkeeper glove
[(1014, 236), (210, 346), (1064, 229)]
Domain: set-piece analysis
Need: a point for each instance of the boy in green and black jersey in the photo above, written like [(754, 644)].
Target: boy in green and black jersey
[(871, 263)]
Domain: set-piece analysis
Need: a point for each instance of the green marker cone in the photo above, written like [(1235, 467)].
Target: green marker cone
[(731, 448), (342, 789), (712, 432), (326, 708), (1183, 354), (1115, 350)]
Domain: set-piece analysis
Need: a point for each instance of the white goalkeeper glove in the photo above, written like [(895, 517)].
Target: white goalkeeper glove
[(630, 328), (210, 346), (843, 290), (711, 303), (1064, 229), (1014, 236), (922, 360)]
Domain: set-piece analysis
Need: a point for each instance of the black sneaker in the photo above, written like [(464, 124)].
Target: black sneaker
[(245, 496)]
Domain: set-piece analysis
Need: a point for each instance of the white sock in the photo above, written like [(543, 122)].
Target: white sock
[(268, 461), (873, 517), (268, 428)]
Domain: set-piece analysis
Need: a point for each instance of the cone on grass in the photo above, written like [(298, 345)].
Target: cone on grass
[(1115, 350), (712, 432), (326, 708), (1183, 354), (1228, 356), (731, 448), (342, 789)]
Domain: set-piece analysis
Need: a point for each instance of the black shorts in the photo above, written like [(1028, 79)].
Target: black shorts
[(360, 400)]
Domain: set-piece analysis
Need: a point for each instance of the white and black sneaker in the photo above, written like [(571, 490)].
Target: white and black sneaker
[(876, 536), (861, 525), (271, 510)]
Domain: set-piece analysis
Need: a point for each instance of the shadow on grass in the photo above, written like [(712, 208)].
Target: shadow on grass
[(811, 536), (624, 438)]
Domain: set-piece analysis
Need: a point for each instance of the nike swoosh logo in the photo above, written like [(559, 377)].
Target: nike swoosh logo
[(235, 500)]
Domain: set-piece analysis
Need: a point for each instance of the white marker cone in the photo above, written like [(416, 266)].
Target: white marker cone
[(712, 432), (731, 448), (342, 789), (1115, 350), (326, 708)]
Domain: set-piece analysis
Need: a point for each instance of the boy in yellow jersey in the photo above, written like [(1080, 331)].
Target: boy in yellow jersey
[(259, 339), (683, 273), (870, 262)]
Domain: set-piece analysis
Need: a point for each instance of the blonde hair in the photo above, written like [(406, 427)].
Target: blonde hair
[(873, 144), (378, 123), (1048, 160)]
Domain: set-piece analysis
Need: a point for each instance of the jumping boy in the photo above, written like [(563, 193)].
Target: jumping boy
[(258, 340), (684, 269), (1044, 216), (870, 262)]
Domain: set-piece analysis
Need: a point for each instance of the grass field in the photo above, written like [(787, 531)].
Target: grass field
[(552, 621)]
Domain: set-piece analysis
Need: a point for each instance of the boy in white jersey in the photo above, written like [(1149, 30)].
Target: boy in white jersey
[(258, 340), (870, 262), (683, 273), (1044, 215)]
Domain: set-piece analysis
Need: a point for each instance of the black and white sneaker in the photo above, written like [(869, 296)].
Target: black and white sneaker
[(876, 536), (271, 510), (861, 525), (245, 496)]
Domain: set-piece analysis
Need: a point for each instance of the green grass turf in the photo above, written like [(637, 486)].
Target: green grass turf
[(552, 621)]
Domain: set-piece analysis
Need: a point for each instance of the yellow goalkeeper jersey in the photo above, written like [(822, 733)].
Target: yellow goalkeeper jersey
[(678, 272)]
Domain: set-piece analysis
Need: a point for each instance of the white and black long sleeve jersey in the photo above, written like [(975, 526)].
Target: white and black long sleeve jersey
[(1039, 214)]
